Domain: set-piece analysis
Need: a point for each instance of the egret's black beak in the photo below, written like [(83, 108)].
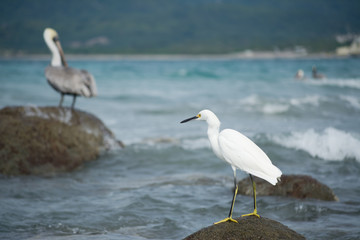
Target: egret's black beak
[(189, 119)]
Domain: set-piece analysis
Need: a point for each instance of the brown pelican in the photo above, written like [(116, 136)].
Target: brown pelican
[(317, 75), (64, 79)]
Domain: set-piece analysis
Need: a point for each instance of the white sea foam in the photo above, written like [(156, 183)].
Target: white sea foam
[(159, 142), (194, 144), (34, 111), (274, 108), (331, 144), (353, 101), (277, 106), (251, 100), (350, 83), (64, 115), (256, 103), (307, 100)]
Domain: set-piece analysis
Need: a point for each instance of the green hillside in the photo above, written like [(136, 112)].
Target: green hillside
[(176, 26)]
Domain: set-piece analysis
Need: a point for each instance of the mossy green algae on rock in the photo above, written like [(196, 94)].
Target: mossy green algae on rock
[(43, 140)]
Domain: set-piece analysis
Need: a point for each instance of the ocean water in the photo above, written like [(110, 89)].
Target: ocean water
[(167, 183)]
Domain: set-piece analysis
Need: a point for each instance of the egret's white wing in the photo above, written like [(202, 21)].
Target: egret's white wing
[(244, 154), (71, 81)]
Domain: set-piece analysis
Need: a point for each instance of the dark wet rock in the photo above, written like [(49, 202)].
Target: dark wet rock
[(247, 228), (45, 140), (297, 186)]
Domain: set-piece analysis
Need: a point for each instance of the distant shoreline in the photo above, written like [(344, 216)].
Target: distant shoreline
[(161, 57)]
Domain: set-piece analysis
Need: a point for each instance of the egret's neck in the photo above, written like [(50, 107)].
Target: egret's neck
[(213, 134), (56, 57)]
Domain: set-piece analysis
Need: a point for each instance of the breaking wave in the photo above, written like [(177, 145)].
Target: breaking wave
[(195, 144), (348, 83), (277, 106), (353, 101), (331, 144)]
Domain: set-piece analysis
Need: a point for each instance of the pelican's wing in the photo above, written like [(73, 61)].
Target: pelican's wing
[(56, 77), (244, 154), (89, 82), (71, 81)]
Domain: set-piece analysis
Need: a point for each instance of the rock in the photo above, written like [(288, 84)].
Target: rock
[(45, 140), (297, 186), (247, 228)]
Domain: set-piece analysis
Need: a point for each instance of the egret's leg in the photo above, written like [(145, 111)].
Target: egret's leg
[(73, 103), (254, 193), (232, 203), (61, 99)]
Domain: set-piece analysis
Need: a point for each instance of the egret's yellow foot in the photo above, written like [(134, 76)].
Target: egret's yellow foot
[(251, 214), (228, 219)]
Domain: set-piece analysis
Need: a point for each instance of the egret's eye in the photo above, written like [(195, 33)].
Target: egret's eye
[(199, 115)]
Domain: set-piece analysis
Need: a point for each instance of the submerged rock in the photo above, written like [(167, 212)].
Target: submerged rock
[(297, 186), (247, 228), (44, 140)]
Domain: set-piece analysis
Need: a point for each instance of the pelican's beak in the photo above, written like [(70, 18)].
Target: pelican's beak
[(57, 42), (189, 119)]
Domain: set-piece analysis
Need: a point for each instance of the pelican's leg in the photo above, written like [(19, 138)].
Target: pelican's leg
[(232, 203), (254, 192), (73, 103), (61, 99)]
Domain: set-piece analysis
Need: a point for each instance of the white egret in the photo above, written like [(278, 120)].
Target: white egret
[(66, 80), (240, 152), (300, 74)]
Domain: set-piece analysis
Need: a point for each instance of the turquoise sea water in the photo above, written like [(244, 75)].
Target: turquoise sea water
[(167, 183)]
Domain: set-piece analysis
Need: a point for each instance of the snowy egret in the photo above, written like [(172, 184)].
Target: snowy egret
[(240, 152), (300, 74), (66, 80)]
